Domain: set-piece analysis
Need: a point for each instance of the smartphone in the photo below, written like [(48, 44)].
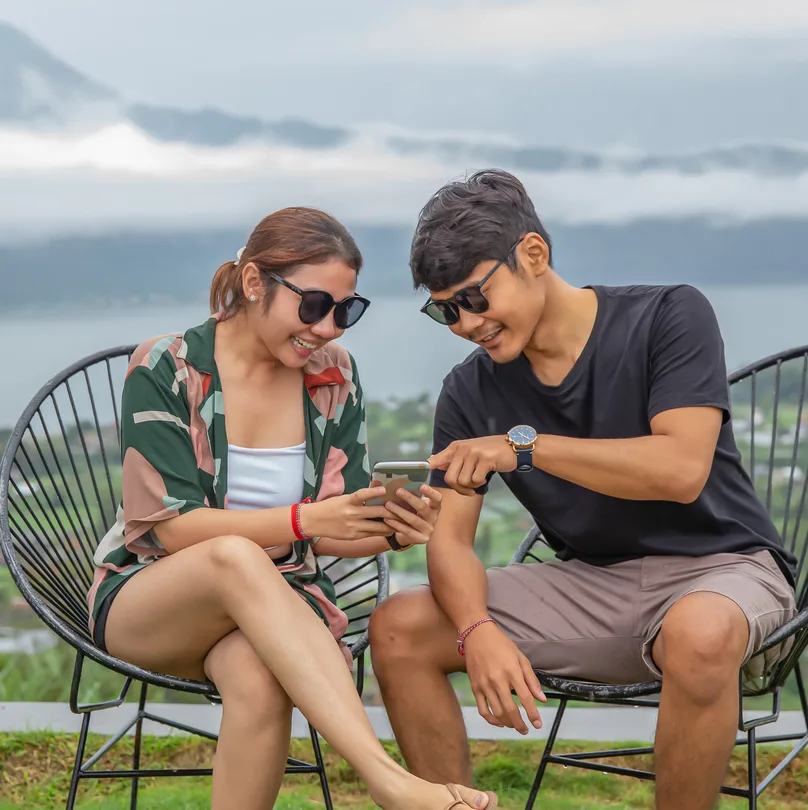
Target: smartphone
[(409, 475)]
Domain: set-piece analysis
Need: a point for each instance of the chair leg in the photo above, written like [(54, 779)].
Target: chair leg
[(318, 758), (82, 744), (548, 750), (360, 674), (751, 754), (141, 707), (802, 694)]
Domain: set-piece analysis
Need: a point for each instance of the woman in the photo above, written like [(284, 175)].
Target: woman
[(211, 570)]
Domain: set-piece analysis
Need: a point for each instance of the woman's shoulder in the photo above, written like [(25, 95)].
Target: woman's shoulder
[(168, 353), (161, 355)]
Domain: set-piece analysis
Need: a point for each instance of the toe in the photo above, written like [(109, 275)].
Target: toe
[(473, 798)]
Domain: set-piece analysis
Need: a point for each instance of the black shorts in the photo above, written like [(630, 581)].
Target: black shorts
[(100, 626)]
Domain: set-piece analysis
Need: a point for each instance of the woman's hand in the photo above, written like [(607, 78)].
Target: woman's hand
[(416, 526), (345, 516)]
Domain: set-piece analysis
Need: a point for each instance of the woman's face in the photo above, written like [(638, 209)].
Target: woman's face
[(289, 340)]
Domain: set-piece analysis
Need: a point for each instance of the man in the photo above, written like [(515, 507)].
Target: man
[(606, 412)]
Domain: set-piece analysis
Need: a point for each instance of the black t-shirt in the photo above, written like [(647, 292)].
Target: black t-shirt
[(652, 348)]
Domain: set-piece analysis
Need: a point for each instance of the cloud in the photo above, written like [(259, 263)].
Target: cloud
[(612, 198), (118, 177), (521, 34), (321, 34)]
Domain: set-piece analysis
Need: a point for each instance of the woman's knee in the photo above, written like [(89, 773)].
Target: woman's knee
[(234, 556), (247, 688)]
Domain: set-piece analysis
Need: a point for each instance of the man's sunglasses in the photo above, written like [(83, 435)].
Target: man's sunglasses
[(472, 298), (316, 304)]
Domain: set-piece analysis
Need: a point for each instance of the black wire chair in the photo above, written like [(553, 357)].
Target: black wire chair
[(60, 479), (776, 458)]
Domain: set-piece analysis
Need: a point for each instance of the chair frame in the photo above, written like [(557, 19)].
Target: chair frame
[(85, 649), (640, 694)]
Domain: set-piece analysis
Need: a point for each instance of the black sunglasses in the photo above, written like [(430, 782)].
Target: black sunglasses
[(316, 304), (471, 298)]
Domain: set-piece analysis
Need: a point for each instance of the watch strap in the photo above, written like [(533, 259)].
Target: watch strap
[(394, 544), (524, 459)]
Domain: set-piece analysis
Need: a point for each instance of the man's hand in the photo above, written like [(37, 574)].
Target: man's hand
[(469, 462), (496, 668)]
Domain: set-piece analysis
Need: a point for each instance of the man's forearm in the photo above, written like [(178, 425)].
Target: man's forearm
[(458, 581), (646, 468)]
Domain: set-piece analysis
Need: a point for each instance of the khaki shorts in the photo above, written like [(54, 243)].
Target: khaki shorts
[(594, 623)]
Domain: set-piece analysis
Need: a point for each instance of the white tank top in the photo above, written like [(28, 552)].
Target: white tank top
[(263, 478)]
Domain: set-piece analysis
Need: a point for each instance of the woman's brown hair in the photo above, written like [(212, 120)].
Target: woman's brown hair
[(281, 243)]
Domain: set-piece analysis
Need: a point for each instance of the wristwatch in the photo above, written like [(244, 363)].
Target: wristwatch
[(394, 544), (523, 440)]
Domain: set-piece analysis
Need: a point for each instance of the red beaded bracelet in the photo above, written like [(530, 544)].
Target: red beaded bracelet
[(296, 526), (464, 635)]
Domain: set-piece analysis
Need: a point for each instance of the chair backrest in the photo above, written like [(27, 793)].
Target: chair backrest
[(770, 423), (60, 485)]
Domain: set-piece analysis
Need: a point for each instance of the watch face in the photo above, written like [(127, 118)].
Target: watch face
[(522, 435)]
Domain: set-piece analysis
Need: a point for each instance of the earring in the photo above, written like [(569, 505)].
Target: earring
[(253, 298)]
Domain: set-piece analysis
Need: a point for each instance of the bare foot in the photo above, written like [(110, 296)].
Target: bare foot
[(417, 794), (472, 798)]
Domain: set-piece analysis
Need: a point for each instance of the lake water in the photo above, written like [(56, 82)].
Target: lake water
[(399, 351)]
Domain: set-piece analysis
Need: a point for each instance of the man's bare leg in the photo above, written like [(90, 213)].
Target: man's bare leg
[(414, 649), (699, 650)]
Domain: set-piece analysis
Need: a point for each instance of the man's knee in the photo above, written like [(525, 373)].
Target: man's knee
[(404, 627), (398, 623), (702, 644)]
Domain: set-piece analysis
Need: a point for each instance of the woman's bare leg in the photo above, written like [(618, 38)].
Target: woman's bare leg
[(204, 592), (255, 729)]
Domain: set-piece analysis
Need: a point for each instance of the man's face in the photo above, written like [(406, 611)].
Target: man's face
[(515, 305)]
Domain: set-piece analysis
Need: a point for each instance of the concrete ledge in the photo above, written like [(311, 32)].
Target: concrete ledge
[(595, 724)]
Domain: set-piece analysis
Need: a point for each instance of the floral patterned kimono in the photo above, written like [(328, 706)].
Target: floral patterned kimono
[(174, 449)]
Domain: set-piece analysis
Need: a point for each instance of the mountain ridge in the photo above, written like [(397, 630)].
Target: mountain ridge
[(37, 87), (146, 266)]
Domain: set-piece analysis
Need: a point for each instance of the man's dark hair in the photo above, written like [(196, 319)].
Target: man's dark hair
[(470, 221)]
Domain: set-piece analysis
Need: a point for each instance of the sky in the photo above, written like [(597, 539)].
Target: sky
[(588, 73), (639, 76)]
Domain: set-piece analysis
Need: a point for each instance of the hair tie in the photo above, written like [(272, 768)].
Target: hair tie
[(239, 254)]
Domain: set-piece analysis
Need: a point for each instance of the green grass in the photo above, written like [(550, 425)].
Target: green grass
[(36, 766)]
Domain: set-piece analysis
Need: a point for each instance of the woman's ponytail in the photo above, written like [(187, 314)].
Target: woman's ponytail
[(226, 291)]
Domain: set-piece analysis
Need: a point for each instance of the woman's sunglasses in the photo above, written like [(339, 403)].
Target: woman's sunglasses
[(472, 298), (316, 304)]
